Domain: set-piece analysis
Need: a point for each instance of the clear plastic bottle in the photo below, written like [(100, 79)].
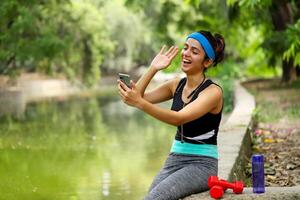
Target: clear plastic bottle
[(258, 174)]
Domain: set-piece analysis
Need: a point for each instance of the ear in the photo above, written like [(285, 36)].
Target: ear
[(207, 63)]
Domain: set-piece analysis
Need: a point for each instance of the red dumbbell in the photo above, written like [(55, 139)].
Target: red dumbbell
[(216, 191), (237, 186)]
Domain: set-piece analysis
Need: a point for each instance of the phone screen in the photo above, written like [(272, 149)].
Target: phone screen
[(125, 78)]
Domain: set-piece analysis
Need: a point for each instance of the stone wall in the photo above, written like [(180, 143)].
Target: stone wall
[(234, 141)]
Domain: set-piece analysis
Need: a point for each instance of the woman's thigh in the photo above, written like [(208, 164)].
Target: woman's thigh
[(188, 180)]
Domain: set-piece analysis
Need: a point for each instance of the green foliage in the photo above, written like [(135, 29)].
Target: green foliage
[(228, 98), (52, 37), (226, 73), (25, 40), (280, 34), (256, 116), (266, 113), (295, 84), (294, 113), (285, 107), (175, 65), (87, 29), (80, 37), (130, 36), (251, 3), (229, 69), (292, 35)]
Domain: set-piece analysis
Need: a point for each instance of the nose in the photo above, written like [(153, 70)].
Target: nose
[(186, 52)]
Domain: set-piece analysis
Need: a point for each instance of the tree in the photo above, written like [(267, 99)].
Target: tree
[(52, 37), (131, 37), (282, 15)]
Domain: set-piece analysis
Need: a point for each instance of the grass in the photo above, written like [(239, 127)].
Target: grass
[(275, 101)]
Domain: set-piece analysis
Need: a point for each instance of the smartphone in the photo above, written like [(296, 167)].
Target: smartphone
[(125, 78)]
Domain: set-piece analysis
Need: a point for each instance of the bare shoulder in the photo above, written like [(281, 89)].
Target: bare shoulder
[(174, 83), (214, 90)]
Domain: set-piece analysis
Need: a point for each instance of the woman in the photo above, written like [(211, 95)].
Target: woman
[(196, 111)]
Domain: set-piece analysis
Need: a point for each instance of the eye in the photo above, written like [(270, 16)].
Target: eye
[(195, 51)]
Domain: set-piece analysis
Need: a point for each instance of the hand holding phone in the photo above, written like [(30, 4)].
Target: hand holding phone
[(125, 78)]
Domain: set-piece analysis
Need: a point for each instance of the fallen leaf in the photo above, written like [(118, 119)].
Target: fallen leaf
[(270, 177), (290, 166), (269, 140)]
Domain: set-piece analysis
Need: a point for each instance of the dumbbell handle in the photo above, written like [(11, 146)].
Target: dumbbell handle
[(214, 180), (226, 184)]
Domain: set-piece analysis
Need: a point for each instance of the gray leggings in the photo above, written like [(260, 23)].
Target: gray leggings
[(181, 176)]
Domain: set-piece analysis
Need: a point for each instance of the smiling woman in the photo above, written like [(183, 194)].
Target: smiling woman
[(196, 111)]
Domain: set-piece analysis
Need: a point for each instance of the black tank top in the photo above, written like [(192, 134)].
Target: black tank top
[(204, 124)]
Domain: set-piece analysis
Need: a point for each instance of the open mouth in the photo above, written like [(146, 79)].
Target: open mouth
[(185, 61)]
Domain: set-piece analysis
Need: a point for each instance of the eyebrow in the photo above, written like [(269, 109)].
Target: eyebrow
[(193, 47)]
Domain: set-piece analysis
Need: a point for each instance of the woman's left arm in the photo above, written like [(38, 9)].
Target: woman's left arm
[(206, 101)]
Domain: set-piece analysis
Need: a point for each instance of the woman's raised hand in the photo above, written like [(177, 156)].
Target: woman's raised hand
[(163, 60)]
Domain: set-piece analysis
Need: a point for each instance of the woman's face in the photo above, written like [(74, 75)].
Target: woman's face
[(192, 56)]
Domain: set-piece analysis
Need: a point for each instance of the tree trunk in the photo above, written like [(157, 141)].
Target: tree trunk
[(281, 13), (297, 14), (289, 72), (87, 58), (298, 70)]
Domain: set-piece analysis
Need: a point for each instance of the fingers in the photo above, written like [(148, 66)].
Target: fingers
[(171, 53), (174, 53), (122, 95), (162, 49), (132, 83), (123, 86), (122, 91)]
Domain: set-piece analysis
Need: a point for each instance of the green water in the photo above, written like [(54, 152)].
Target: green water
[(94, 148)]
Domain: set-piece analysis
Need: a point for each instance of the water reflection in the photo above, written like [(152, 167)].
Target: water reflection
[(81, 149)]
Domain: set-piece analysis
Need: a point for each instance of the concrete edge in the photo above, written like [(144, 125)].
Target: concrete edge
[(234, 141), (286, 193)]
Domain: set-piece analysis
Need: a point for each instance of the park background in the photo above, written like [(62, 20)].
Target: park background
[(92, 146)]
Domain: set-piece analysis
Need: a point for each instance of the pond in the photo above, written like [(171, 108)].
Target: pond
[(95, 148)]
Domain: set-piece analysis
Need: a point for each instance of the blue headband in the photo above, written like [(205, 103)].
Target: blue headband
[(204, 43)]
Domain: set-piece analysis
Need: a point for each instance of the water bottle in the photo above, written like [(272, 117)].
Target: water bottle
[(258, 174)]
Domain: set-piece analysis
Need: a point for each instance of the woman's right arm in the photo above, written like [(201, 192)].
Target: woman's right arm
[(144, 81)]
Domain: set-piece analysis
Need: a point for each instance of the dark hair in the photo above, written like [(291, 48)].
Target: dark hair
[(218, 43)]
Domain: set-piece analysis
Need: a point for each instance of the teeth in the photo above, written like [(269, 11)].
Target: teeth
[(187, 61)]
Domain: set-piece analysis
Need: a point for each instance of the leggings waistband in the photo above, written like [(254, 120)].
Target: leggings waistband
[(209, 150)]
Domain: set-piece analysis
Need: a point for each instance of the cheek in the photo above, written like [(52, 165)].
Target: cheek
[(198, 58)]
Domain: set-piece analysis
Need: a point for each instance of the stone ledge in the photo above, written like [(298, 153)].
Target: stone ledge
[(282, 193), (234, 142)]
